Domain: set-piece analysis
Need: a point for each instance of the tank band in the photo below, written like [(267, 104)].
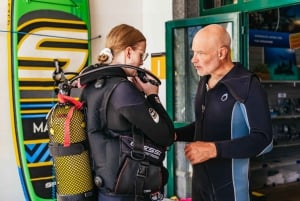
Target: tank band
[(57, 149)]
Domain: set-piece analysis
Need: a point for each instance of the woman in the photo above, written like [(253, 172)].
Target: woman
[(124, 113)]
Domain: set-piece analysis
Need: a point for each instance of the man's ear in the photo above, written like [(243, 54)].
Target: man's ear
[(223, 52)]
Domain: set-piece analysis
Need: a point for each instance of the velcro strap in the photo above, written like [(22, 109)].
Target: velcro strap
[(57, 149)]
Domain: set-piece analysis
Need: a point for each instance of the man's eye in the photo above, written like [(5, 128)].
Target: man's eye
[(199, 53)]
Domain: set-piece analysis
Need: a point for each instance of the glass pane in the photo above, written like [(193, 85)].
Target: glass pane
[(217, 3), (274, 41), (274, 55), (184, 88), (186, 78)]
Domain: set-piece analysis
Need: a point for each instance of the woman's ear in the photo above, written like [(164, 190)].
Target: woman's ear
[(127, 52)]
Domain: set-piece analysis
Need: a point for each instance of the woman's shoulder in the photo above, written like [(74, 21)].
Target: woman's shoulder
[(127, 94)]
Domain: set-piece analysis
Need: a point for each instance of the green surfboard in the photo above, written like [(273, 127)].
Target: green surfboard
[(41, 31)]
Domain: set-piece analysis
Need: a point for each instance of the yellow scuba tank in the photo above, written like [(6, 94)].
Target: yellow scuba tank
[(69, 148)]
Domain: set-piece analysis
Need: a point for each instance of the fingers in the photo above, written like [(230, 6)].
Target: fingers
[(147, 87), (136, 81), (198, 152), (190, 154)]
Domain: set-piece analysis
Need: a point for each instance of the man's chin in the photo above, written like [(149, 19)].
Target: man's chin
[(200, 73)]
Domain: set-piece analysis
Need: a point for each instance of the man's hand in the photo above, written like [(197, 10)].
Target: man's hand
[(198, 152)]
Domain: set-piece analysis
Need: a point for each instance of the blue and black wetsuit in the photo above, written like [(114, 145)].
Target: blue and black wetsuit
[(237, 138), (124, 108)]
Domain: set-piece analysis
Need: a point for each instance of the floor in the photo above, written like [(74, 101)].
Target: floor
[(285, 192)]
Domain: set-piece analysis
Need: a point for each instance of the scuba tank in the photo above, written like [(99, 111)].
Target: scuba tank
[(68, 146)]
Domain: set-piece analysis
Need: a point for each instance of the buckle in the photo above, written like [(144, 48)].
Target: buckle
[(156, 196), (137, 155), (142, 170)]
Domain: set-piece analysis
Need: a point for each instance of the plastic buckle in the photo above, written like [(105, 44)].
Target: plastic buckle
[(137, 155), (142, 170), (156, 196)]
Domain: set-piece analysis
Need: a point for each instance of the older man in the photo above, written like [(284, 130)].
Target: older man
[(232, 121)]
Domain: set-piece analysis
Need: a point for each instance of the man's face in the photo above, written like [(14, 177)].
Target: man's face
[(205, 54)]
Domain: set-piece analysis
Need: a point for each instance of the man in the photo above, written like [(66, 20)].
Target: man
[(232, 121)]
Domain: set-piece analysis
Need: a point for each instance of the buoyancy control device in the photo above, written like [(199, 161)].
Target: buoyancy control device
[(68, 144)]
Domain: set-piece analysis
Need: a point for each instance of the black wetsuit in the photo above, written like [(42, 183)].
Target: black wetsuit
[(126, 107), (237, 138)]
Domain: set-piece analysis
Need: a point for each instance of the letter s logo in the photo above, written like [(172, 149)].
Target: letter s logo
[(47, 39)]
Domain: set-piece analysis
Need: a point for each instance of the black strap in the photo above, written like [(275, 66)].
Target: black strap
[(138, 154), (106, 100), (57, 149), (85, 196)]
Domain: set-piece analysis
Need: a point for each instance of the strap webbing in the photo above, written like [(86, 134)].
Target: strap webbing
[(58, 150), (142, 171), (76, 104), (67, 138), (68, 99)]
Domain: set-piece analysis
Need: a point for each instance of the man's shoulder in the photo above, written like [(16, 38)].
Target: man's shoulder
[(239, 81), (239, 70)]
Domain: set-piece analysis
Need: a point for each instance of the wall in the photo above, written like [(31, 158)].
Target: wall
[(10, 188), (148, 16)]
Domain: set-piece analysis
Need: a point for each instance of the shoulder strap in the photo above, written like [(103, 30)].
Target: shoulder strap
[(107, 97)]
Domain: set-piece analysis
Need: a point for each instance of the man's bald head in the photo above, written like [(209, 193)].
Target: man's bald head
[(212, 52), (215, 34)]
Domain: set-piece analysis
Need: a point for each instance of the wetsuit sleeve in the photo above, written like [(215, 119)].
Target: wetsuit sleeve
[(146, 114), (260, 137), (185, 133)]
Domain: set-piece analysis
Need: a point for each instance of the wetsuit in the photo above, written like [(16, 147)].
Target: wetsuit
[(225, 178), (124, 108)]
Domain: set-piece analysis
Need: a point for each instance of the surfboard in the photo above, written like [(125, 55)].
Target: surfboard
[(40, 32)]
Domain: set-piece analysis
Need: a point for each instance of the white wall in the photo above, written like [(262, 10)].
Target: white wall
[(10, 188), (155, 14), (107, 14), (147, 15)]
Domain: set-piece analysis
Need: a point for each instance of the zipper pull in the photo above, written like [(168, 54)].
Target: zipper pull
[(203, 108)]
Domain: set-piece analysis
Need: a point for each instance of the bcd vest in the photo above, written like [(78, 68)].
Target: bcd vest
[(123, 163)]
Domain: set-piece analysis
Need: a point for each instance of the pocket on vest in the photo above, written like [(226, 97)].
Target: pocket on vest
[(139, 174)]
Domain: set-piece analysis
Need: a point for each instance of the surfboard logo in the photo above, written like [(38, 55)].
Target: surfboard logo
[(40, 37), (46, 39)]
